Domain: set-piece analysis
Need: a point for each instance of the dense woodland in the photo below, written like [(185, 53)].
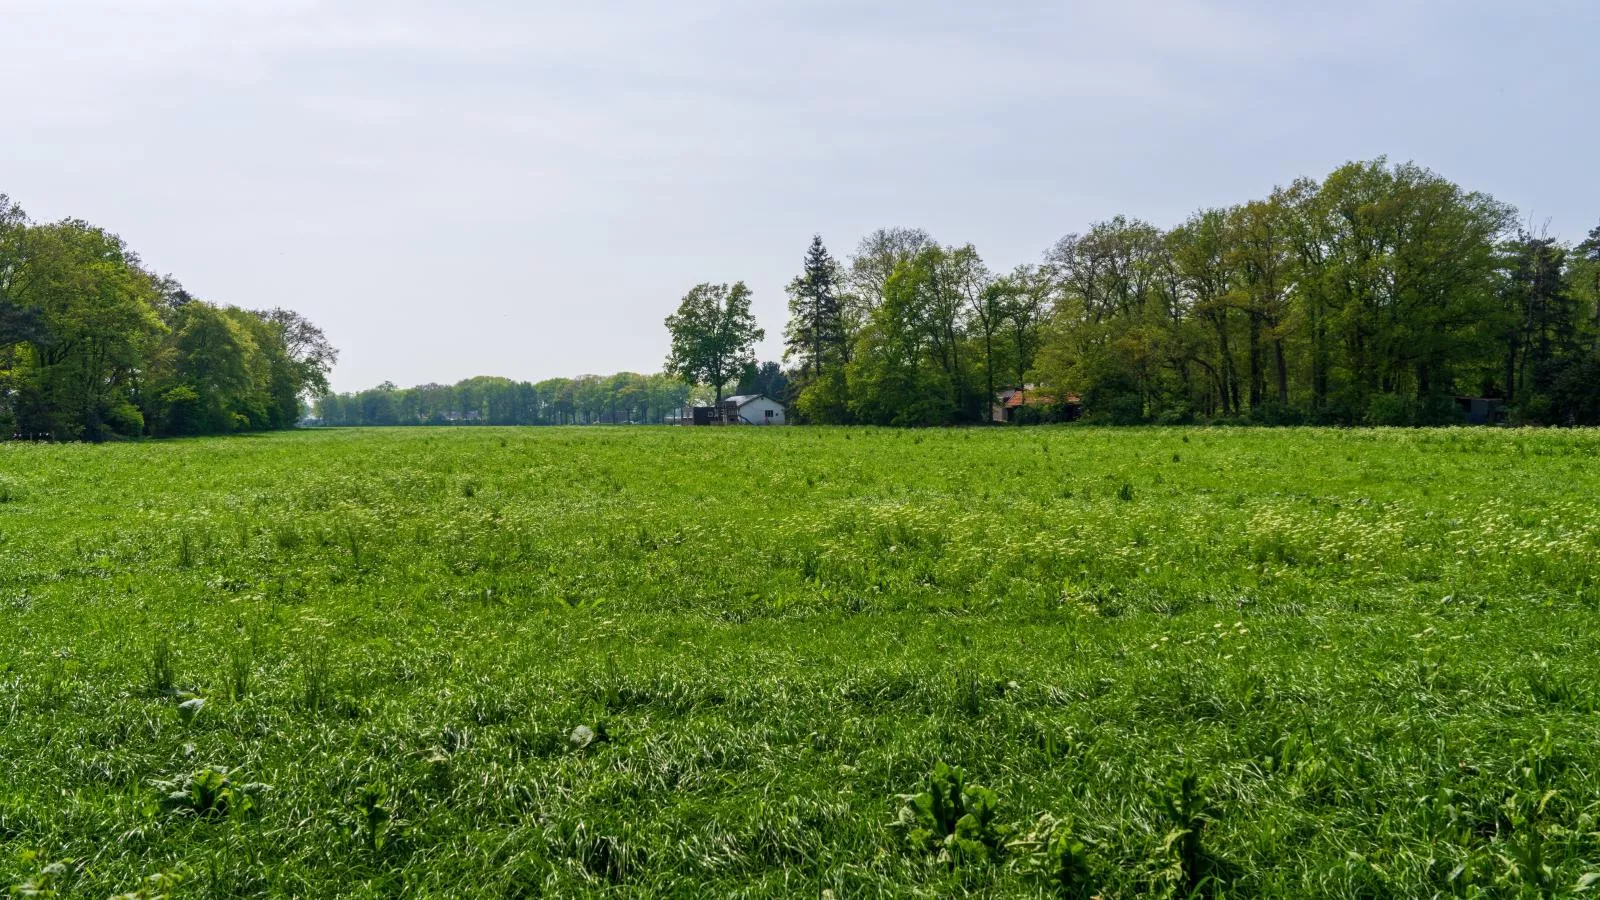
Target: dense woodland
[(94, 346), (1375, 296)]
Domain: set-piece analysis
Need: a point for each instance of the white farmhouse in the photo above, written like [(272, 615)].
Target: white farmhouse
[(754, 409)]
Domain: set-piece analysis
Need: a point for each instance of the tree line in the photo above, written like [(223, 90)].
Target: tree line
[(623, 398), (95, 346), (1377, 295), (586, 400)]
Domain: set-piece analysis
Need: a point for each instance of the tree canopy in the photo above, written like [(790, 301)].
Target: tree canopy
[(623, 398), (713, 336), (95, 346), (1377, 295)]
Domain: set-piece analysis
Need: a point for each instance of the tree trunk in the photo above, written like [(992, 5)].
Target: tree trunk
[(1230, 375), (1511, 371), (1022, 370), (988, 372), (1257, 372), (1319, 361), (1224, 375), (816, 341)]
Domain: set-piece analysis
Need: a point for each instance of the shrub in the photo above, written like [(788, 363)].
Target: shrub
[(1181, 800), (1389, 409), (954, 820), (124, 419), (1113, 409), (1276, 414), (1028, 415), (1056, 853), (1534, 409), (1180, 415), (1113, 400), (1438, 409), (374, 817), (182, 414), (208, 793), (1575, 394)]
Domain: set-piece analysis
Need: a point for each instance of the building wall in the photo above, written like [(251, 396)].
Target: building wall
[(756, 411)]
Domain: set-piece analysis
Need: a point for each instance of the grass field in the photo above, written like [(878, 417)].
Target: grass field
[(715, 662)]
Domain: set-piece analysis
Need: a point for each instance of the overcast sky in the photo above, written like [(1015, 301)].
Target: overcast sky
[(526, 188)]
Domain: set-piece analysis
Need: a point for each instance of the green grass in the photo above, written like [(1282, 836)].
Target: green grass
[(1233, 662)]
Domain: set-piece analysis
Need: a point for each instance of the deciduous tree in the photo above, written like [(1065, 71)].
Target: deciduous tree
[(713, 335)]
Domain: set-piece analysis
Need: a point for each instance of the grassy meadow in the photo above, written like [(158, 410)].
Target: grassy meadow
[(729, 662)]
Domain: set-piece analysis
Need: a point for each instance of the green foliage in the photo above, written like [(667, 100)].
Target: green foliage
[(42, 883), (824, 400), (589, 399), (374, 817), (815, 337), (954, 821), (161, 673), (1057, 853), (93, 346), (1182, 802), (909, 365), (1390, 409), (1373, 296), (208, 793), (122, 417), (1068, 861), (159, 886), (1575, 389), (316, 669), (1438, 410), (1111, 398), (1277, 414), (713, 335), (767, 378), (241, 670), (181, 411)]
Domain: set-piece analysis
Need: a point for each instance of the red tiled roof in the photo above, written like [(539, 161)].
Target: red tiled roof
[(1034, 398)]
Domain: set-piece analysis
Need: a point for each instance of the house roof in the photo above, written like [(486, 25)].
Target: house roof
[(742, 399), (1031, 398), (1023, 398)]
